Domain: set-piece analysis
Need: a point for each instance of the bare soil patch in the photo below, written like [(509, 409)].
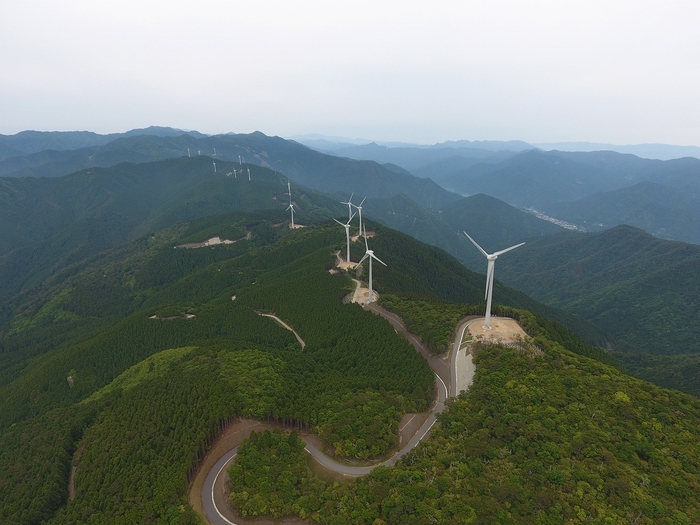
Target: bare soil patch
[(503, 330)]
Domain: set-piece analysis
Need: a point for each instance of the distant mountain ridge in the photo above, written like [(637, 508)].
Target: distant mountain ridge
[(648, 151), (308, 167), (27, 142)]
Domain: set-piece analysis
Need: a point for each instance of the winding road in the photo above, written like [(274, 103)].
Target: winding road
[(214, 494)]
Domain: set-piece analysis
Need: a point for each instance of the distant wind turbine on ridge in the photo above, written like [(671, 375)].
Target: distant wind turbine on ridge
[(291, 206), (350, 205), (359, 211), (491, 258), (369, 254), (347, 235), (249, 175)]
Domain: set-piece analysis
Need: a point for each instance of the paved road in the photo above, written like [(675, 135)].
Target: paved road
[(214, 482), (453, 355)]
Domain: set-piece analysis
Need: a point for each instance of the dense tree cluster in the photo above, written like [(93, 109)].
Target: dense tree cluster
[(434, 321), (134, 402), (540, 438), (270, 477), (158, 388)]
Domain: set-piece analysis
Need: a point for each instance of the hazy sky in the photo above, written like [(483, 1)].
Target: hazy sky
[(541, 71)]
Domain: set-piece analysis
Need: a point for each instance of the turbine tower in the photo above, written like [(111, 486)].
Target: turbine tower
[(249, 176), (291, 206), (214, 163), (491, 258), (347, 235), (369, 254), (350, 205), (359, 211)]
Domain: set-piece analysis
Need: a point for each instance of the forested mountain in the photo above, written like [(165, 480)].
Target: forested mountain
[(660, 210), (640, 289), (49, 223), (66, 341), (493, 222), (540, 438), (315, 170), (127, 363), (28, 142)]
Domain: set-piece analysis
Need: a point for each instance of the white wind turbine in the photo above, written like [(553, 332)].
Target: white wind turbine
[(369, 254), (359, 211), (291, 206), (347, 234), (491, 258), (249, 177), (350, 205), (214, 163)]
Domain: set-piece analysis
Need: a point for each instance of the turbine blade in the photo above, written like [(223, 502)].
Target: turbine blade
[(378, 259), (474, 243), (509, 249), (366, 255), (336, 220), (351, 218), (365, 236), (363, 200)]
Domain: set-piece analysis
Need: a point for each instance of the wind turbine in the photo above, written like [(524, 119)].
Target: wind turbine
[(369, 254), (350, 205), (359, 211), (188, 153), (249, 177), (491, 258), (240, 162), (347, 234), (214, 163), (291, 206)]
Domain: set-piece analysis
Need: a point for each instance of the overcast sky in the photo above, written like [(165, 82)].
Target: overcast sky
[(621, 72)]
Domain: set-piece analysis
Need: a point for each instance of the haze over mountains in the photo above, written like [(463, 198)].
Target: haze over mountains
[(588, 190)]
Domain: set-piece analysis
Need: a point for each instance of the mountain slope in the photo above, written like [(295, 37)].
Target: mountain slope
[(642, 290), (28, 142), (135, 397), (316, 170), (660, 210), (50, 223)]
